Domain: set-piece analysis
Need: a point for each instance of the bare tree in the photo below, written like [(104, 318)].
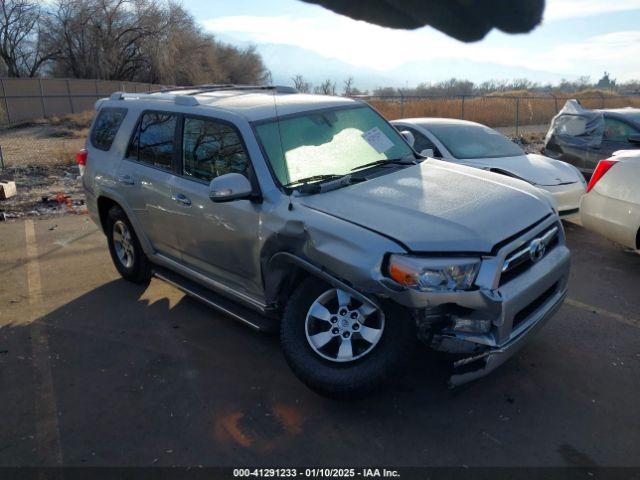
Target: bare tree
[(301, 84), (348, 87), (326, 88), (21, 48), (143, 40)]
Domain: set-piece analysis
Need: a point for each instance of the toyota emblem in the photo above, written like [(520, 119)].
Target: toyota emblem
[(536, 250)]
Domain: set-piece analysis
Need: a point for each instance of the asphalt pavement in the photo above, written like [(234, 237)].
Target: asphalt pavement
[(97, 371)]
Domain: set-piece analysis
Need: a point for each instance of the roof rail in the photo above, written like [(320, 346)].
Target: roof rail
[(229, 86), (188, 99), (184, 100)]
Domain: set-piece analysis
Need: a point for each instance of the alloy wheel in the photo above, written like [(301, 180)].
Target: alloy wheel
[(123, 244), (341, 328)]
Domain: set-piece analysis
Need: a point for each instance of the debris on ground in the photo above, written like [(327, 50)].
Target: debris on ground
[(7, 190), (43, 190)]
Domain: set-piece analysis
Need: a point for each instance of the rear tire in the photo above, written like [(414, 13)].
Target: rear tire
[(124, 246), (316, 324)]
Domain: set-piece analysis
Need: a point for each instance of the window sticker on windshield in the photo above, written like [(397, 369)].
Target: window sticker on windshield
[(377, 140)]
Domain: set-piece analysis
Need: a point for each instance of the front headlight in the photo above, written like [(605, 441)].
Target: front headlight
[(434, 274)]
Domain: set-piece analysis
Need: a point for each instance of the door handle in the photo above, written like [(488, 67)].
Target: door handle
[(126, 179), (180, 198)]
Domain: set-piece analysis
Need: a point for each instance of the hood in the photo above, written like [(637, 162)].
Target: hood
[(438, 207), (536, 169)]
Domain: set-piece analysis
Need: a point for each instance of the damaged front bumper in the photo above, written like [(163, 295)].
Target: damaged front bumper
[(486, 326), (477, 366)]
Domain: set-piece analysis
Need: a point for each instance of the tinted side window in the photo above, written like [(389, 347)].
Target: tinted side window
[(617, 131), (106, 127), (153, 141), (211, 149), (422, 142)]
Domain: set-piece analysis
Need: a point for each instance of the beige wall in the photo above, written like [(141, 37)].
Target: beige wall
[(24, 99)]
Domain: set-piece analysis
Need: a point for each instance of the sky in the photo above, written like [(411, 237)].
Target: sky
[(576, 38)]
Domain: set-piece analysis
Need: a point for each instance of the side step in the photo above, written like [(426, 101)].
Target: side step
[(214, 300)]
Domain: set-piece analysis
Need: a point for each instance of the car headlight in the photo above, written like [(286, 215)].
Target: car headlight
[(434, 274)]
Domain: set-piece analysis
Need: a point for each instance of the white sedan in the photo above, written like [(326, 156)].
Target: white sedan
[(479, 146), (611, 206)]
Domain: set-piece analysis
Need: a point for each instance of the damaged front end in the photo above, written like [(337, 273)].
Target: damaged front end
[(517, 291)]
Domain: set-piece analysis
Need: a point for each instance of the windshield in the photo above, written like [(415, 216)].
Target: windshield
[(329, 142), (474, 141), (633, 116)]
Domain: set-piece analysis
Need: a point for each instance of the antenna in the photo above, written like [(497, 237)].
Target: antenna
[(284, 158)]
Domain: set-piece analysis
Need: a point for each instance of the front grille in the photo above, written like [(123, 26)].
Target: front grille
[(521, 259), (527, 311)]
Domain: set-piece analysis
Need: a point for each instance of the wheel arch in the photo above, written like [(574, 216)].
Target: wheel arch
[(286, 270), (106, 203)]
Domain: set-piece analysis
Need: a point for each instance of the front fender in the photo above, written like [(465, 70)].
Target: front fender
[(284, 260)]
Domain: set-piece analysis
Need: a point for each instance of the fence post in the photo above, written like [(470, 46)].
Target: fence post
[(462, 108), (69, 96), (122, 87), (6, 101), (97, 90), (401, 104), (555, 101), (44, 108), (517, 115)]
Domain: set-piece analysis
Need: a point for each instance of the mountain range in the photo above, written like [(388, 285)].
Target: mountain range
[(285, 61)]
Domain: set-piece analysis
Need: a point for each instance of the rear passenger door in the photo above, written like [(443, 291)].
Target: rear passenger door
[(615, 137), (217, 239), (144, 179)]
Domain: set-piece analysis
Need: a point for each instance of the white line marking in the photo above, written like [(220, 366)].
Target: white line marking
[(47, 429), (605, 313)]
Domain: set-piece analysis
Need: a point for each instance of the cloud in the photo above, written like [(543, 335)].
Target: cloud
[(364, 45), (354, 42), (567, 9)]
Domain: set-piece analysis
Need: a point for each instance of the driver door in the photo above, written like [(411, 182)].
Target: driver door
[(219, 240)]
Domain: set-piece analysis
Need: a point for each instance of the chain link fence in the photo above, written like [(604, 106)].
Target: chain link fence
[(25, 99), (493, 110)]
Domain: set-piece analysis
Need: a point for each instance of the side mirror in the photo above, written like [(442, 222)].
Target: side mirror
[(231, 186), (634, 139), (427, 152), (408, 136)]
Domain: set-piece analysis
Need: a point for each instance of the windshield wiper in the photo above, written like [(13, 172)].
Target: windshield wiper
[(385, 161), (314, 178)]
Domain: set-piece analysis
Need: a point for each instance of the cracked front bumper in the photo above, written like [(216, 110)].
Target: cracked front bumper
[(474, 367)]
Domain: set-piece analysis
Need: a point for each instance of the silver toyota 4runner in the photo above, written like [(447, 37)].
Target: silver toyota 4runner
[(313, 216)]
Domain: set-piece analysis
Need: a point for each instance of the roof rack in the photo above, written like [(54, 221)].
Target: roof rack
[(159, 97), (188, 99), (229, 86)]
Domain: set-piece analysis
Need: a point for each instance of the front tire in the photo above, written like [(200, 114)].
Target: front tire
[(124, 246), (339, 346)]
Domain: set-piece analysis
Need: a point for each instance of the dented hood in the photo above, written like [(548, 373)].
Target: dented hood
[(536, 169), (437, 207)]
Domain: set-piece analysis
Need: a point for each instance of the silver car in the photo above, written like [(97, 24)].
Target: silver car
[(312, 216), (476, 145)]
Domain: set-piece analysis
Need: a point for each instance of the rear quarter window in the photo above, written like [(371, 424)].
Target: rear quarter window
[(106, 127)]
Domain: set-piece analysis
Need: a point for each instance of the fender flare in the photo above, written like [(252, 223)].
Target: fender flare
[(137, 227), (283, 258)]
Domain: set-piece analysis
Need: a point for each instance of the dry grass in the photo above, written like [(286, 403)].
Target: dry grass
[(499, 109), (64, 153), (35, 145), (77, 121)]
